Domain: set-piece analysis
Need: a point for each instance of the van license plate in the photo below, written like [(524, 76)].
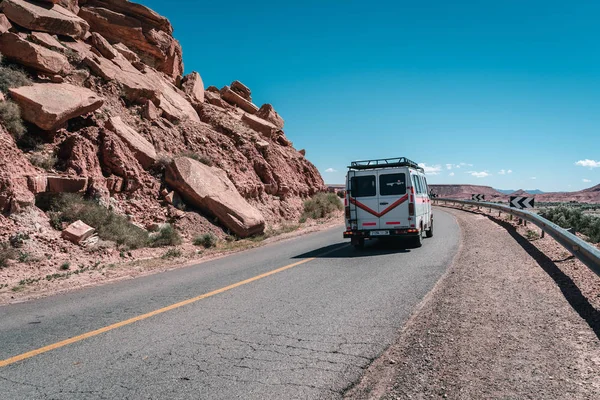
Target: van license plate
[(380, 233)]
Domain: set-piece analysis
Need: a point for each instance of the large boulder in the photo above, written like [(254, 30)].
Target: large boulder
[(5, 24), (193, 86), (31, 54), (50, 105), (141, 148), (47, 17), (268, 113), (260, 125), (46, 40), (235, 99), (242, 90), (210, 189), (140, 29)]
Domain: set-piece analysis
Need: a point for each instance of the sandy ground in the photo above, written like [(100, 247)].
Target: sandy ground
[(511, 319), (21, 282)]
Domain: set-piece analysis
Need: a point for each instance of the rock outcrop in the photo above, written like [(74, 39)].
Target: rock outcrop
[(210, 189), (108, 110), (51, 18), (140, 29), (32, 55), (268, 113), (50, 105), (235, 99), (142, 149)]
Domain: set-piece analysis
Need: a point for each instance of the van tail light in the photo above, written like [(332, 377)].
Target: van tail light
[(347, 212), (411, 209)]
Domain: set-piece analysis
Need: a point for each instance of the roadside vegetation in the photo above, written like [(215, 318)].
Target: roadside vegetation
[(321, 205), (571, 217), (6, 253), (10, 116)]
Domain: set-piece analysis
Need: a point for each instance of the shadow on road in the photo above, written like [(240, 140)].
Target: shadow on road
[(372, 248), (569, 289)]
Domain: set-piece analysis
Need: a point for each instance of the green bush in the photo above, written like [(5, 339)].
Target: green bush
[(571, 217), (167, 236), (198, 157), (43, 161), (172, 253), (10, 115), (6, 253), (321, 206), (207, 240), (69, 208), (12, 76)]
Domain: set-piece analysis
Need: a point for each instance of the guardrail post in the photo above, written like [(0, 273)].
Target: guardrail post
[(543, 235)]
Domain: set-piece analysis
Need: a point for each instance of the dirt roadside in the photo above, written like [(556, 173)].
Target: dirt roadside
[(507, 321), (35, 283)]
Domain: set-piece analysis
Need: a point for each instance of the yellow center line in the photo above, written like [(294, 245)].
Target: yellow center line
[(108, 328)]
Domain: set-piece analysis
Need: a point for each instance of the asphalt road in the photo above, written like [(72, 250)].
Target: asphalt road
[(305, 332)]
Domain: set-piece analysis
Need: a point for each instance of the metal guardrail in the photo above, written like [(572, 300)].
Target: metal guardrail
[(581, 249)]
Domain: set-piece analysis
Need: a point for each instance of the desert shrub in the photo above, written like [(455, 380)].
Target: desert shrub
[(6, 253), (10, 115), (532, 235), (198, 157), (571, 217), (162, 161), (172, 253), (65, 266), (207, 240), (43, 161), (166, 236), (12, 76), (322, 205), (69, 207)]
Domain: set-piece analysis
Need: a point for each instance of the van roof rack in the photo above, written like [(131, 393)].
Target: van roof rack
[(385, 163)]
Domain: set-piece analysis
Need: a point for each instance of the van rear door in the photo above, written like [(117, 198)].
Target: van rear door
[(393, 199), (364, 204)]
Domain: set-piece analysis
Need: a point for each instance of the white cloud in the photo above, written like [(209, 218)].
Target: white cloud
[(330, 170), (586, 180), (462, 164), (482, 174), (534, 178), (448, 166), (588, 163), (431, 169), (509, 171), (502, 172), (451, 174)]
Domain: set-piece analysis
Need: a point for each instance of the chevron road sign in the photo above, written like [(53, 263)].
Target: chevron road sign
[(522, 202), (477, 197)]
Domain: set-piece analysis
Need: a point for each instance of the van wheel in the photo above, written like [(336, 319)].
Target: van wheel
[(418, 241), (358, 243), (429, 232)]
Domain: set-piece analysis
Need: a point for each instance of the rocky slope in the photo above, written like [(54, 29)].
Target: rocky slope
[(108, 114), (464, 192)]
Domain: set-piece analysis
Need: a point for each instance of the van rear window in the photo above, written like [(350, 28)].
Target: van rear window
[(363, 186), (392, 184)]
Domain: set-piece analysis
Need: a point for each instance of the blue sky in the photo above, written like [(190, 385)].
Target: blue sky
[(481, 85)]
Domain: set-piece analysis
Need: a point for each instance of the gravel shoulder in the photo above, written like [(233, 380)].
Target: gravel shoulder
[(511, 319)]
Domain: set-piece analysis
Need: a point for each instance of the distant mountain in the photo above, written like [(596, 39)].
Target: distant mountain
[(464, 192), (510, 191)]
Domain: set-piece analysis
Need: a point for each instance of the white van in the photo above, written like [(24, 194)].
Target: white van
[(387, 198)]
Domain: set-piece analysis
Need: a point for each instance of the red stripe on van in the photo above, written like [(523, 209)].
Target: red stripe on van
[(370, 224), (393, 223), (379, 214)]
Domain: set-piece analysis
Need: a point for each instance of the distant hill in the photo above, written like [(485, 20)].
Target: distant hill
[(510, 191), (464, 192)]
